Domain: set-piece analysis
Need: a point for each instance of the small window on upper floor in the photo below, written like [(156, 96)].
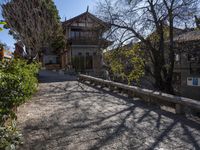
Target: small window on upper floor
[(80, 54), (75, 34)]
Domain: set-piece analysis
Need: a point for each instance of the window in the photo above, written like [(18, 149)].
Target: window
[(72, 34), (192, 58), (87, 54), (75, 33), (57, 60), (80, 54), (82, 34), (194, 71)]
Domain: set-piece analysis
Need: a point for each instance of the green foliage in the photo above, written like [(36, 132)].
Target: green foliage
[(10, 137), (37, 29), (155, 37), (17, 83), (2, 23), (127, 63), (58, 39), (58, 42)]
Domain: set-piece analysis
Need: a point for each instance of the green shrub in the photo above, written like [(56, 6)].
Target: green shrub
[(18, 81), (10, 137)]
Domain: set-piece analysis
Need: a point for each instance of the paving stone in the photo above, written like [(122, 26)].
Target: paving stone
[(68, 115)]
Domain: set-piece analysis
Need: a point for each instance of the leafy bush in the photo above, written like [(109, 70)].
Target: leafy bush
[(10, 137), (126, 63), (18, 82)]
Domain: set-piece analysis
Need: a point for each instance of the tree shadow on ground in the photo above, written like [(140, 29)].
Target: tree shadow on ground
[(94, 118)]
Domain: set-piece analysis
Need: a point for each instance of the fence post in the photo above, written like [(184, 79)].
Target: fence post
[(111, 88), (102, 85), (179, 109), (130, 94)]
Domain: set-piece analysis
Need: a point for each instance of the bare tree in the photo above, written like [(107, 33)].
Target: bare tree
[(152, 23), (35, 23)]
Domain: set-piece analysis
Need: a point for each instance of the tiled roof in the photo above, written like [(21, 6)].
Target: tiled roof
[(189, 36)]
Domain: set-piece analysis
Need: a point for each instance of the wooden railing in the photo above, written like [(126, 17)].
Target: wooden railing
[(179, 103)]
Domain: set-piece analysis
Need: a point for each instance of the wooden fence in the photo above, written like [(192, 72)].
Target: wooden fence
[(150, 96)]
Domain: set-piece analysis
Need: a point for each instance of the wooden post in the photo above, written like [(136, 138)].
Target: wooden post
[(111, 88), (179, 109), (119, 89), (130, 94), (91, 82), (95, 83), (102, 85), (148, 99)]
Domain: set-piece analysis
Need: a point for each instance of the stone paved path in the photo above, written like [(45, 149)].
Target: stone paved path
[(68, 115)]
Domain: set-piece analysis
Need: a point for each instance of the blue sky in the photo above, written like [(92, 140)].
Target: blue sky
[(67, 8)]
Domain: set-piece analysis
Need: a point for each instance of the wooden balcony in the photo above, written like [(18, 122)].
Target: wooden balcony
[(89, 41)]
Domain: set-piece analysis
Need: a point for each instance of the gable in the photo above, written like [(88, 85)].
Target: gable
[(86, 20)]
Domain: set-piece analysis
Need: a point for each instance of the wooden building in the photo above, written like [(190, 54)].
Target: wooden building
[(84, 35), (85, 42), (5, 54), (187, 64)]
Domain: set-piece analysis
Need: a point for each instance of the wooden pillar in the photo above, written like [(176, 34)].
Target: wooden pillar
[(179, 109), (102, 85), (112, 88), (130, 94), (148, 100), (41, 59), (61, 61)]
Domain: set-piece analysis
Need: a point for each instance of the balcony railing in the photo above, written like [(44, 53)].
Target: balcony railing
[(89, 41)]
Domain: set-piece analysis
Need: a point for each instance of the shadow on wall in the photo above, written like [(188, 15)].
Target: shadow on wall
[(93, 119)]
